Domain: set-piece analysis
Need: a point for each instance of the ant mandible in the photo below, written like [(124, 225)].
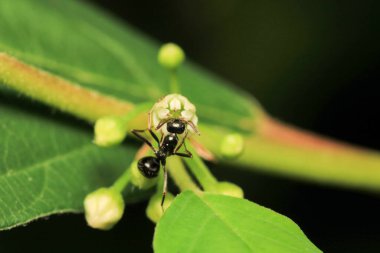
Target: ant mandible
[(149, 166)]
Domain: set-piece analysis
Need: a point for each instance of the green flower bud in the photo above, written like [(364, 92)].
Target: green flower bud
[(154, 210), (139, 179), (171, 56), (103, 208), (229, 189), (232, 146), (109, 131)]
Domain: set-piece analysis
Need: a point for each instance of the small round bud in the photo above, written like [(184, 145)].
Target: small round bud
[(232, 146), (229, 189), (154, 210), (171, 56), (103, 208), (109, 131), (139, 180)]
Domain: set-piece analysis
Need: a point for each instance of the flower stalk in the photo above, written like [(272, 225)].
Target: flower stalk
[(58, 92), (171, 56), (271, 146), (180, 176), (201, 171), (122, 181)]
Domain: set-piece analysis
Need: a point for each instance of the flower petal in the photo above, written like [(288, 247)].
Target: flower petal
[(163, 113), (187, 115), (175, 104)]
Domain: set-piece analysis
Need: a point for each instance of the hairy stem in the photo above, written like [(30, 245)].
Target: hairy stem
[(317, 158), (273, 146), (180, 176), (174, 86), (122, 181), (57, 92), (283, 149), (200, 170)]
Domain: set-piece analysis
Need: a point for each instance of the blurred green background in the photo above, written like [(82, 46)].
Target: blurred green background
[(314, 64)]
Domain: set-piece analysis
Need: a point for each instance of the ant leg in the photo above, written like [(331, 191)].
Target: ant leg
[(162, 122), (138, 135), (149, 119), (161, 138), (188, 154), (193, 127), (135, 132), (182, 142), (154, 136), (165, 186)]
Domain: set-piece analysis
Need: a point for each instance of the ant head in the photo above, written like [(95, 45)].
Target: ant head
[(176, 126), (149, 166)]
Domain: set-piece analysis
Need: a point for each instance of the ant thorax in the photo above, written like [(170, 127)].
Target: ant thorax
[(169, 144), (173, 107), (174, 118)]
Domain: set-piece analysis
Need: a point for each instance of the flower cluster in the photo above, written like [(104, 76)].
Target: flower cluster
[(173, 106), (104, 207)]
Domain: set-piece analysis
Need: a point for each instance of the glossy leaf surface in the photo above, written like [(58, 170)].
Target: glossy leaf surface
[(217, 223)]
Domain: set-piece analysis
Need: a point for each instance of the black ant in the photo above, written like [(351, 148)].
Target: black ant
[(149, 166)]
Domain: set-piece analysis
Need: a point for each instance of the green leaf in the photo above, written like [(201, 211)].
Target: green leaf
[(83, 45), (217, 223), (80, 44), (48, 162), (48, 166)]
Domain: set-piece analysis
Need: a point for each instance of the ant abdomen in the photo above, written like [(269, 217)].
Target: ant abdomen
[(149, 166)]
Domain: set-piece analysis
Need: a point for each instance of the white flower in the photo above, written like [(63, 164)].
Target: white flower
[(173, 106)]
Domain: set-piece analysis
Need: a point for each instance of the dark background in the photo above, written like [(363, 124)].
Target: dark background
[(314, 64)]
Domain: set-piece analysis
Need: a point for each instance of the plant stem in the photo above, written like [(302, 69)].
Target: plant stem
[(57, 92), (160, 181), (273, 146), (174, 86), (282, 149), (180, 176), (122, 181), (135, 112), (200, 170)]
